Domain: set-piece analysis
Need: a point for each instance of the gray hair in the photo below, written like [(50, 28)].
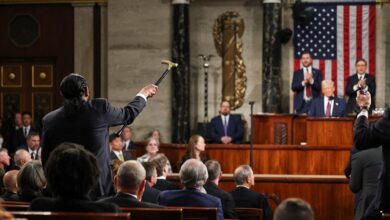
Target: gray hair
[(241, 173), (193, 173), (20, 155), (130, 174), (327, 82), (213, 169), (294, 209), (31, 179)]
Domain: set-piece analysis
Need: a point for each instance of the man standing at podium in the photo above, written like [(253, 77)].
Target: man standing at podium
[(226, 128), (328, 105), (306, 84)]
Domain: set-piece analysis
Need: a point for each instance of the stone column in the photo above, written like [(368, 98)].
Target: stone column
[(180, 75), (83, 41), (103, 50), (271, 56)]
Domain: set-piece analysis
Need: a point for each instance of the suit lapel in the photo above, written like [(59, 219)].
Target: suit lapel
[(322, 111)]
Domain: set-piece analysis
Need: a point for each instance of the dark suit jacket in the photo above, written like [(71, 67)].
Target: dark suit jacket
[(373, 135), (353, 80), (38, 152), (9, 196), (228, 205), (126, 155), (90, 129), (366, 165), (128, 201), (131, 146), (59, 205), (246, 198), (163, 185), (150, 194), (297, 87), (190, 197), (317, 107), (235, 129)]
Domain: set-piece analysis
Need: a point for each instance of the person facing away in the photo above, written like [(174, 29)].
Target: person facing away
[(150, 194), (214, 171), (162, 167), (361, 80), (244, 197), (86, 122), (226, 128), (21, 157), (130, 185), (306, 84), (72, 173), (10, 185), (294, 209), (193, 175), (31, 181), (328, 105)]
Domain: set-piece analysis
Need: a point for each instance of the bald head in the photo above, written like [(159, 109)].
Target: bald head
[(130, 176), (21, 157), (9, 181)]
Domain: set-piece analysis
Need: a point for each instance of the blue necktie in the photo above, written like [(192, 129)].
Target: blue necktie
[(225, 125)]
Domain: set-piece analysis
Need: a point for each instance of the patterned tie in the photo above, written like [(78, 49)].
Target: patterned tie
[(308, 86), (328, 107), (225, 125)]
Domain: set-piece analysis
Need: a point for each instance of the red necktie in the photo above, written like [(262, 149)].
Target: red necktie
[(308, 86), (328, 107)]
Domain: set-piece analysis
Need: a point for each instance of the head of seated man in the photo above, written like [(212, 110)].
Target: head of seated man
[(9, 181), (22, 157), (193, 174), (131, 178), (327, 87), (243, 176), (294, 209)]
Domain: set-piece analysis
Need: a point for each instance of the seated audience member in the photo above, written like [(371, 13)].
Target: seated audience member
[(152, 148), (5, 160), (214, 171), (193, 175), (31, 181), (294, 209), (21, 157), (226, 128), (365, 169), (10, 186), (116, 146), (328, 105), (32, 145), (130, 185), (244, 197), (127, 142), (195, 149), (161, 163), (71, 173), (156, 134), (150, 194)]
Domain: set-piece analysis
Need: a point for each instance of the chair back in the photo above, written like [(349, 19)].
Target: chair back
[(249, 213), (15, 205), (199, 213), (154, 213), (71, 215)]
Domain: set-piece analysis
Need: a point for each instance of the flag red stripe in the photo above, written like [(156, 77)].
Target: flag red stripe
[(297, 64), (322, 68), (346, 45), (359, 33), (334, 74), (371, 41)]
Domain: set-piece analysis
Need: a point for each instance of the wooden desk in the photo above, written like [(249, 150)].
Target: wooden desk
[(268, 159), (329, 131)]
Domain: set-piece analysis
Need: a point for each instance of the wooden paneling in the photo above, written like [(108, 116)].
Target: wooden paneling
[(329, 196), (329, 131), (268, 159)]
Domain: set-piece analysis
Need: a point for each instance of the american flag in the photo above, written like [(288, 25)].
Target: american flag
[(337, 35)]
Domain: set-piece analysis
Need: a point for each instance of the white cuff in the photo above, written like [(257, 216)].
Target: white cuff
[(312, 81), (143, 96), (363, 113), (303, 83), (355, 87)]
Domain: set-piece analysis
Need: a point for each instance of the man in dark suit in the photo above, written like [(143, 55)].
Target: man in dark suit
[(361, 80), (226, 128), (161, 163), (130, 185), (86, 122), (328, 105), (244, 197), (151, 194), (374, 135), (306, 84), (71, 172), (32, 145), (128, 143), (117, 152), (22, 133), (366, 166), (10, 187), (211, 187), (193, 175)]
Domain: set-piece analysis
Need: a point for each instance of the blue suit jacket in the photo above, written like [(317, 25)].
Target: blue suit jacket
[(235, 129), (190, 197), (298, 88), (317, 108)]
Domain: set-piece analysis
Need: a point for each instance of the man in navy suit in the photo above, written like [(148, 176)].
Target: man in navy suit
[(193, 175), (306, 84), (328, 105), (86, 122), (361, 80), (226, 128), (32, 146), (128, 143), (117, 152)]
